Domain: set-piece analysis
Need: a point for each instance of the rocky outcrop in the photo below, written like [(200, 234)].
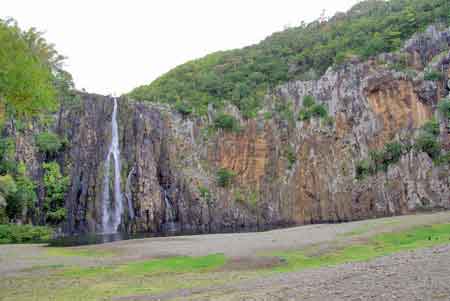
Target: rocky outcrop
[(286, 171)]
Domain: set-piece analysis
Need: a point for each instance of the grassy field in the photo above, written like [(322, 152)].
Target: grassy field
[(380, 245), (98, 281)]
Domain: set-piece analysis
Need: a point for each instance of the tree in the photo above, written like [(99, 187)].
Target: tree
[(48, 143), (55, 185), (26, 84)]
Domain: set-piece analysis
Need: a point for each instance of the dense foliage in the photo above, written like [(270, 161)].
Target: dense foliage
[(311, 109), (55, 185), (226, 122), (225, 177), (243, 76), (24, 234), (48, 143), (32, 78)]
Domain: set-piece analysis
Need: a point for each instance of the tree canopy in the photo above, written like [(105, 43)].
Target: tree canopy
[(244, 76), (31, 72)]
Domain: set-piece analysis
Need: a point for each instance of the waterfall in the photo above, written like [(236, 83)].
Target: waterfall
[(112, 207), (129, 195), (169, 209)]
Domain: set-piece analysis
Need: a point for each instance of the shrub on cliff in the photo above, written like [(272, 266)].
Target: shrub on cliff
[(444, 107), (183, 108), (311, 109), (308, 101), (225, 177), (364, 168), (433, 75), (48, 143), (431, 127), (226, 122), (319, 111), (428, 143)]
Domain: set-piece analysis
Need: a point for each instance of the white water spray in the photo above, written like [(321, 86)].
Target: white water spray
[(112, 207), (169, 210)]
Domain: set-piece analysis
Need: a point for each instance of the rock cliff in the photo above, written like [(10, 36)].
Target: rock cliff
[(286, 171)]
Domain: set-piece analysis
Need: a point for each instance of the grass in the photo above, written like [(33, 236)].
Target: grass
[(380, 245), (181, 264), (98, 283)]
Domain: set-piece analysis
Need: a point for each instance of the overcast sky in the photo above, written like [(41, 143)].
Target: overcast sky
[(113, 46)]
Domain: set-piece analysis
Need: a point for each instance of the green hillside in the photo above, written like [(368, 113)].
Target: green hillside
[(243, 76)]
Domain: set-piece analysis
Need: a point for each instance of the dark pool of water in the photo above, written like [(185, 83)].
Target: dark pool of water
[(94, 239)]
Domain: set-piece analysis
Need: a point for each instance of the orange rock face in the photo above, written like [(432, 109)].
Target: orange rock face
[(244, 153), (397, 106)]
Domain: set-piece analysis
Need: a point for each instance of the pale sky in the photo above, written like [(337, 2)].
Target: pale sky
[(113, 46)]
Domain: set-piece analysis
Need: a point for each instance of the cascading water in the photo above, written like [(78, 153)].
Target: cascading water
[(170, 224), (169, 209), (112, 206), (129, 195)]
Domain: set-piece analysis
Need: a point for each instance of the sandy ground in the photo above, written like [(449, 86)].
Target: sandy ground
[(415, 275)]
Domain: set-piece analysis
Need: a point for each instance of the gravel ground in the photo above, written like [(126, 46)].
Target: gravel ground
[(414, 275)]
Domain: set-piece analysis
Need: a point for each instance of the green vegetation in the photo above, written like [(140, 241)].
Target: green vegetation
[(133, 278), (225, 177), (284, 111), (226, 122), (312, 110), (7, 153), (426, 141), (380, 159), (55, 185), (444, 107), (205, 194), (33, 83), (433, 75), (22, 199), (180, 264), (183, 108), (26, 83), (33, 80), (246, 197), (112, 277), (289, 154), (24, 234), (431, 127), (380, 245), (48, 143), (308, 101), (244, 76), (364, 168)]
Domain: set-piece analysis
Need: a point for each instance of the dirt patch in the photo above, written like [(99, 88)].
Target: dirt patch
[(251, 263)]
